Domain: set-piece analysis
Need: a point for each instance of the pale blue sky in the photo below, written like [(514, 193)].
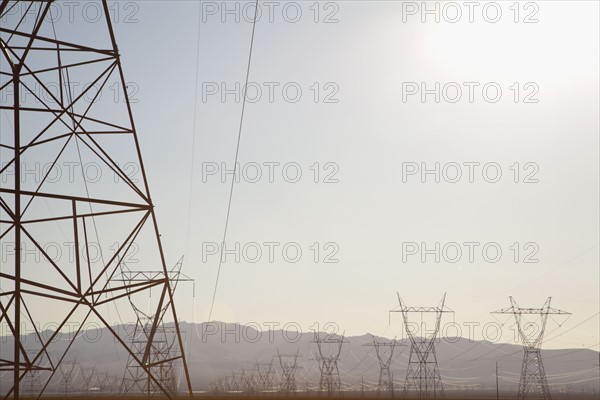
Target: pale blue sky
[(368, 134)]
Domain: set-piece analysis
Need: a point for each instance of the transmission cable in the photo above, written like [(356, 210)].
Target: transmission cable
[(237, 150)]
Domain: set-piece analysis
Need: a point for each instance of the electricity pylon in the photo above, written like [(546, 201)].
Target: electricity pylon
[(423, 374), (264, 376), (235, 383), (218, 386), (104, 383), (288, 364), (386, 381), (248, 381), (89, 376), (328, 363), (227, 387), (65, 106), (533, 383), (164, 347), (66, 380), (32, 381)]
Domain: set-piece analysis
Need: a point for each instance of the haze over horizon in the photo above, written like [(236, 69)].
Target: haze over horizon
[(398, 169), (369, 220)]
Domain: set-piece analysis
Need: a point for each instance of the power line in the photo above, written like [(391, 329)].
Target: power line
[(189, 216), (187, 244), (573, 327), (237, 150)]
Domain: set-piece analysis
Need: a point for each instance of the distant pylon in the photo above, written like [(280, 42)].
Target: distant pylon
[(33, 381), (386, 381), (104, 383), (88, 375), (533, 383), (234, 383), (264, 376), (66, 380), (423, 375), (328, 363), (147, 329), (218, 386), (288, 364), (248, 380), (227, 384)]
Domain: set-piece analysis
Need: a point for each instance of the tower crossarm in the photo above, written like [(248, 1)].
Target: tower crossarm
[(529, 339), (531, 311), (423, 309), (143, 276)]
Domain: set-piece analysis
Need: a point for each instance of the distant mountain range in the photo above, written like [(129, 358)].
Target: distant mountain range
[(231, 348)]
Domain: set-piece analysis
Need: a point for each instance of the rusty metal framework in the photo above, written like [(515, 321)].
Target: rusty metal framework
[(533, 383), (423, 375), (65, 103)]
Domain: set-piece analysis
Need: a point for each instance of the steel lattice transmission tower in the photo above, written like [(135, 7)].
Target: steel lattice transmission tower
[(65, 107), (249, 381), (89, 376), (164, 346), (330, 349), (105, 385), (386, 381), (234, 383), (533, 383), (423, 374), (32, 381), (67, 370), (218, 386), (288, 364), (264, 376)]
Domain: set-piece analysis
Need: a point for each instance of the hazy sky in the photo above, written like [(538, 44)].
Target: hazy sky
[(366, 135)]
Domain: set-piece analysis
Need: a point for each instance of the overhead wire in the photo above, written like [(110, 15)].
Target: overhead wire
[(237, 150)]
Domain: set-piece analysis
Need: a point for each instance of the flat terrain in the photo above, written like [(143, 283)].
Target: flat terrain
[(474, 396)]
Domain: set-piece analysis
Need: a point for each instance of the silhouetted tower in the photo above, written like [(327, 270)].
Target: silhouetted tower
[(104, 383), (227, 387), (248, 380), (33, 380), (67, 370), (264, 376), (288, 364), (330, 349), (58, 83), (533, 383), (89, 376), (165, 346), (423, 374), (235, 383), (386, 381), (215, 386), (33, 383)]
